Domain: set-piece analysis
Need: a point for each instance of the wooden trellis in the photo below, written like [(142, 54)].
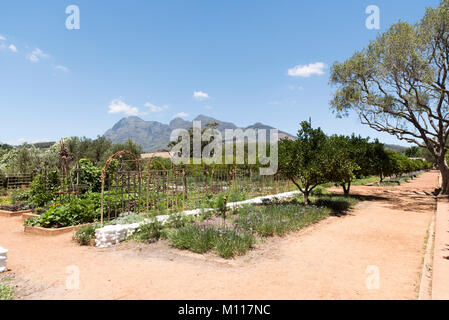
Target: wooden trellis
[(180, 188), (124, 188)]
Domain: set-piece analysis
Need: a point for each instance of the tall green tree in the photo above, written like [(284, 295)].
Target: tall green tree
[(346, 155), (399, 84), (305, 161)]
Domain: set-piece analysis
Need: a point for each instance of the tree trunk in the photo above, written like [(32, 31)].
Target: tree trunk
[(346, 189), (444, 170), (306, 197)]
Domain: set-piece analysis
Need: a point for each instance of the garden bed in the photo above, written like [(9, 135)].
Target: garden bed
[(26, 215), (53, 232), (7, 213), (227, 234)]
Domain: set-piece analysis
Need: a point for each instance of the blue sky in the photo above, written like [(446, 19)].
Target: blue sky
[(226, 59)]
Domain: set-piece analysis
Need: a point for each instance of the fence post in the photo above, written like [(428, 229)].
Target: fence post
[(184, 181)]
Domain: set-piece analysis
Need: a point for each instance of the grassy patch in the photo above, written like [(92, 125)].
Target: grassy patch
[(226, 242), (281, 218), (338, 204), (6, 291), (365, 180)]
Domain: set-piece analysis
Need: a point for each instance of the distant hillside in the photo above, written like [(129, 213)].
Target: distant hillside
[(154, 135), (395, 147)]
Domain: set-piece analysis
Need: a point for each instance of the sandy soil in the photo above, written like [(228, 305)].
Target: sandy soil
[(383, 237)]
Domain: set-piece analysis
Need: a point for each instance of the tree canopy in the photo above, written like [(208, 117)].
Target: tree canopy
[(398, 84)]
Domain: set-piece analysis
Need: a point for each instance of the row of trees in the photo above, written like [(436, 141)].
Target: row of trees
[(31, 158), (315, 158), (399, 84)]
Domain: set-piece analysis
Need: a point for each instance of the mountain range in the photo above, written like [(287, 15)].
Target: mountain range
[(154, 136)]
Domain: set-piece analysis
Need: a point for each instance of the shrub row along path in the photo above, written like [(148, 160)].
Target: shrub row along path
[(381, 239)]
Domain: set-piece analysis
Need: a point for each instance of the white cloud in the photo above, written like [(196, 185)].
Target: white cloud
[(208, 107), (307, 70), (13, 48), (181, 115), (36, 55), (62, 68), (119, 106), (155, 108), (2, 38), (200, 95)]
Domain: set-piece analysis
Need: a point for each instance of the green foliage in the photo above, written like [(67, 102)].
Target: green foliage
[(305, 161), (279, 219), (26, 159), (149, 232), (344, 165), (230, 243), (6, 291), (89, 175), (201, 239), (43, 188), (85, 234), (222, 204), (413, 152), (128, 218), (177, 221), (21, 196), (76, 211), (397, 84), (236, 193), (338, 205)]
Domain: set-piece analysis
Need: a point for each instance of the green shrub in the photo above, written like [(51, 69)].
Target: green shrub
[(77, 211), (85, 234), (43, 188), (90, 175), (21, 196), (222, 204), (149, 232), (320, 190)]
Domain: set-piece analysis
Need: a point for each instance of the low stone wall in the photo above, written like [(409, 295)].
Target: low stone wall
[(3, 259), (114, 234)]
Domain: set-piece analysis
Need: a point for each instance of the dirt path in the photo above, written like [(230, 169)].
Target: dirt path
[(382, 238)]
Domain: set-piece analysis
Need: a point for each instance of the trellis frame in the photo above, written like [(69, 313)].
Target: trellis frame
[(104, 172)]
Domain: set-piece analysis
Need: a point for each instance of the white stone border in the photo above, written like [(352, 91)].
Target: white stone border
[(3, 259), (114, 234)]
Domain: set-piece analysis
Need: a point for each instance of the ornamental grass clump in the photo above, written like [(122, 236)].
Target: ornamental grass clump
[(226, 242), (6, 291), (279, 219)]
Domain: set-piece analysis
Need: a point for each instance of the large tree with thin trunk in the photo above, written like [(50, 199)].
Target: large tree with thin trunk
[(399, 84)]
